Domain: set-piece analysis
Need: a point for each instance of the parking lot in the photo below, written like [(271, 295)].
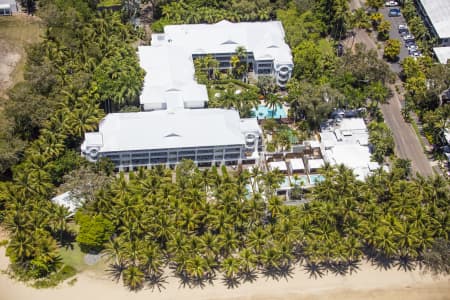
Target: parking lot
[(393, 34)]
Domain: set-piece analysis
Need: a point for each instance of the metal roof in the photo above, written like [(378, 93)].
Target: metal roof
[(264, 39), (442, 54), (438, 12), (165, 129), (169, 76)]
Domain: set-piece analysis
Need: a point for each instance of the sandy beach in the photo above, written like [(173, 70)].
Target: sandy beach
[(367, 283)]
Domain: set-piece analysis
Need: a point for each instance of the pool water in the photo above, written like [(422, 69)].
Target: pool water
[(264, 112), (316, 178), (301, 180)]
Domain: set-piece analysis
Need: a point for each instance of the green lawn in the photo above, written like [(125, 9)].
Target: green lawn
[(75, 258), (16, 33)]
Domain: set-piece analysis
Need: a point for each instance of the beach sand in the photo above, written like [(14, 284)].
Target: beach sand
[(367, 283)]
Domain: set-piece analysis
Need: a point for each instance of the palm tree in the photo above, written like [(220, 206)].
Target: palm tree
[(273, 101), (247, 260), (231, 266), (234, 63), (133, 278), (197, 267), (59, 222)]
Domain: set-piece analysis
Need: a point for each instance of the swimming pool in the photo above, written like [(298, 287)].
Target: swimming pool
[(316, 178), (301, 180), (264, 112)]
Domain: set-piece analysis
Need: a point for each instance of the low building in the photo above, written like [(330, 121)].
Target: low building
[(5, 10), (436, 16), (165, 137), (346, 141), (267, 51), (170, 79)]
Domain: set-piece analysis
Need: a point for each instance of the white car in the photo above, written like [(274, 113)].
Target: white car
[(391, 3), (402, 27), (408, 37)]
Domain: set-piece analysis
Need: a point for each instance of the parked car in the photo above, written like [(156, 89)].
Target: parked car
[(403, 29), (409, 44), (413, 48), (417, 54), (408, 37), (404, 32), (394, 12), (391, 3)]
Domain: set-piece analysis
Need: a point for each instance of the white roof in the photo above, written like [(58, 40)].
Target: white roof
[(264, 39), (297, 164), (169, 76), (250, 125), (353, 156), (315, 163), (67, 200), (442, 54), (280, 165), (163, 129), (314, 144), (5, 6), (352, 124), (438, 12)]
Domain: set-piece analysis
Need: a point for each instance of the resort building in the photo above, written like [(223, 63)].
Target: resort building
[(436, 16), (166, 137), (346, 141), (170, 79), (267, 51)]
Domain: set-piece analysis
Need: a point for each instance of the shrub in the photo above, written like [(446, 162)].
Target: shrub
[(94, 232)]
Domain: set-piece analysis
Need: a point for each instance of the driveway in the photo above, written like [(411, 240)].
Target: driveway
[(393, 34)]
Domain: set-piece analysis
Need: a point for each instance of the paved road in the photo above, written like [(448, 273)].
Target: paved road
[(407, 144)]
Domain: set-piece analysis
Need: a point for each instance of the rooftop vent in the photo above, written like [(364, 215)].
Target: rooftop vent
[(229, 42), (172, 135)]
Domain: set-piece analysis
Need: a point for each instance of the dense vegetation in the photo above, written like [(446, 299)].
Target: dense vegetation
[(85, 62), (206, 223), (201, 223)]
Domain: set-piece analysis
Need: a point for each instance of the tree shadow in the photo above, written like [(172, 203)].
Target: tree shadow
[(336, 268), (194, 282), (382, 261), (284, 271), (231, 282), (353, 266), (65, 239), (156, 281), (249, 276), (115, 271), (405, 263), (315, 270)]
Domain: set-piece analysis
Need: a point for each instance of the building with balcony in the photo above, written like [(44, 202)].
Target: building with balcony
[(166, 137), (267, 51)]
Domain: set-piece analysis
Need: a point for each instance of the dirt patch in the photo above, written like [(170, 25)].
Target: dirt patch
[(16, 34), (7, 66)]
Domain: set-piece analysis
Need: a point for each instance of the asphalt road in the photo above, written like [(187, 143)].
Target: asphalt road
[(407, 144)]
